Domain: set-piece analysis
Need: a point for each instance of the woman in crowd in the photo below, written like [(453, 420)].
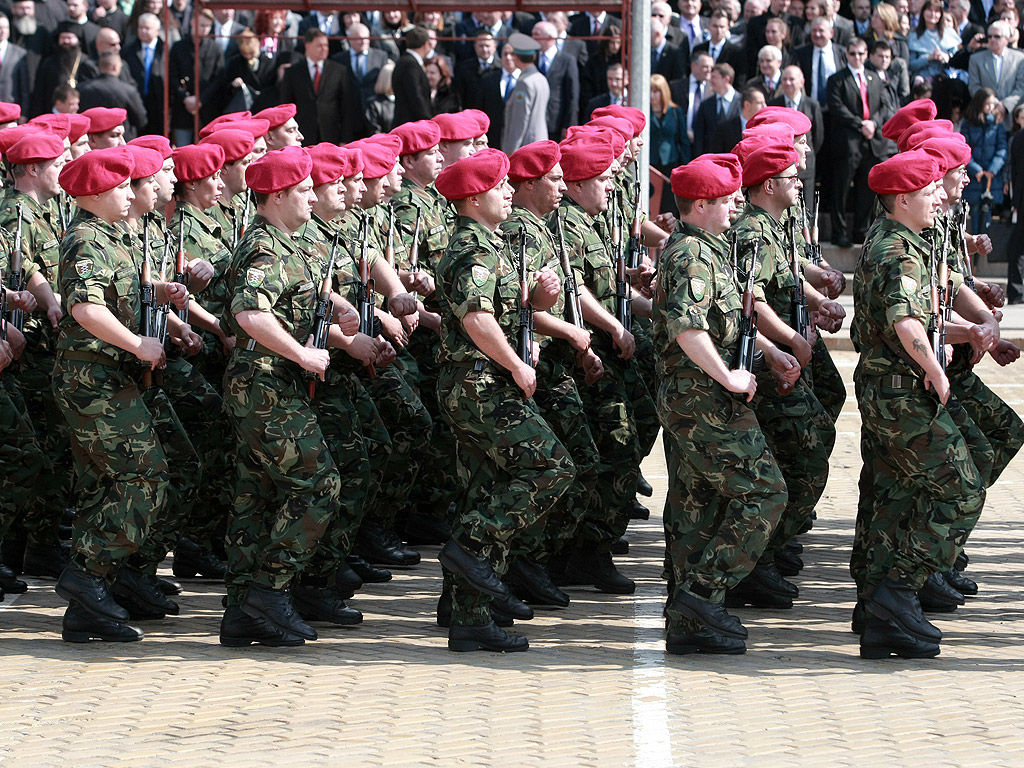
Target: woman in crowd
[(776, 32), (271, 29), (932, 44), (987, 139), (442, 96), (669, 145), (594, 76), (380, 109), (885, 25), (249, 79)]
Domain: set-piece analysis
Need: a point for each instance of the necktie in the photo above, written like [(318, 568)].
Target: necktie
[(999, 67), (721, 107), (693, 34), (510, 85), (716, 51), (361, 64), (697, 93), (147, 61), (597, 27), (542, 64), (316, 79), (865, 112), (822, 91)]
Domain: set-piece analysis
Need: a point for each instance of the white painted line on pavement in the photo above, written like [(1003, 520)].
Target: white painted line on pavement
[(651, 737)]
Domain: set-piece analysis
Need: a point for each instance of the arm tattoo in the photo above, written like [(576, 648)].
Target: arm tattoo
[(920, 347)]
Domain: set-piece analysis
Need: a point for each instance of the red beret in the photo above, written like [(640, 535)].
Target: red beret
[(950, 152), (96, 172), (155, 142), (918, 132), (194, 161), (389, 140), (914, 112), (798, 121), (257, 127), (105, 118), (280, 169), (455, 126), (235, 143), (747, 146), (587, 155), (777, 131), (60, 124), (331, 162), (11, 136), (905, 172), (618, 144), (768, 161), (9, 112), (620, 125), (417, 136), (79, 127), (36, 148), (634, 115), (473, 175), (277, 116), (230, 117), (532, 161), (378, 157), (709, 177), (145, 161), (482, 120)]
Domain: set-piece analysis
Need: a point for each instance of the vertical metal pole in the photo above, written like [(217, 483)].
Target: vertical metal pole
[(196, 41), (167, 70), (640, 84)]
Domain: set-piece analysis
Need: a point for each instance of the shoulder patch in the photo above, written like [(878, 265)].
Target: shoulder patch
[(84, 267), (254, 277), (908, 285), (480, 274), (520, 96), (698, 288)]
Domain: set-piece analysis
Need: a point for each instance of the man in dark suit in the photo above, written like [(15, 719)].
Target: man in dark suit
[(469, 72), (107, 15), (723, 105), (107, 39), (618, 82), (473, 23), (819, 59), (663, 12), (492, 102), (856, 138), (12, 57), (107, 90), (144, 57), (769, 72), (690, 92), (793, 96), (666, 59), (362, 62), (226, 30), (575, 48), (720, 49), (756, 30), (563, 75), (409, 81), (326, 100), (592, 25), (729, 132)]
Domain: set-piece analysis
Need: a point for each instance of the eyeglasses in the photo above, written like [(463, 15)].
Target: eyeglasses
[(784, 178), (856, 53)]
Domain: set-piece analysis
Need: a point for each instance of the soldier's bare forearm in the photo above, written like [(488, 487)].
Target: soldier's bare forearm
[(264, 328)]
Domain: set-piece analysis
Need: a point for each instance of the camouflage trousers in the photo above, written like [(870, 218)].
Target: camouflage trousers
[(184, 467), (121, 469), (610, 405), (801, 436), (20, 455), (288, 485), (645, 414), (407, 421), (726, 492), (560, 406), (51, 491), (438, 483), (921, 490), (511, 465), (335, 407), (198, 404), (826, 381)]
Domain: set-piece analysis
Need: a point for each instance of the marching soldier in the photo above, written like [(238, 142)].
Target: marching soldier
[(106, 127), (512, 465)]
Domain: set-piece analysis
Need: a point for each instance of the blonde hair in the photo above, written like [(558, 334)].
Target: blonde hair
[(382, 87), (661, 84)]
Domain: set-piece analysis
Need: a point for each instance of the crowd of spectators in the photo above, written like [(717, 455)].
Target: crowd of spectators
[(714, 64)]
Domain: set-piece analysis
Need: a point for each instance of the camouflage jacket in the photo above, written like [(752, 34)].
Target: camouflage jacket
[(540, 252), (890, 284), (204, 239), (697, 290), (434, 234), (774, 281), (98, 266), (588, 253), (476, 274), (40, 245)]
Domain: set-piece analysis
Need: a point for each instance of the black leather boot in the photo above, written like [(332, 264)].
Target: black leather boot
[(882, 639), (486, 637), (324, 604), (191, 560), (79, 585), (238, 630), (275, 607), (81, 626), (896, 602), (530, 581), (598, 569)]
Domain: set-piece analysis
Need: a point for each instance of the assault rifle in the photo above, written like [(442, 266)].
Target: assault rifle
[(368, 322), (800, 318), (179, 267), (323, 312), (414, 250), (573, 309), (636, 249), (149, 321), (525, 337), (240, 229), (812, 247), (936, 325), (389, 248), (16, 275), (965, 216), (623, 299), (748, 320)]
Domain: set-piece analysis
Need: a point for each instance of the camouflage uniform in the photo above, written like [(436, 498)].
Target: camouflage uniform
[(438, 481), (288, 485), (611, 401), (20, 455), (928, 491), (556, 397), (799, 431), (510, 462), (122, 470), (46, 498), (726, 492)]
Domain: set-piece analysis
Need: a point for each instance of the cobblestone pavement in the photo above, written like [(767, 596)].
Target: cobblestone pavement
[(595, 688)]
